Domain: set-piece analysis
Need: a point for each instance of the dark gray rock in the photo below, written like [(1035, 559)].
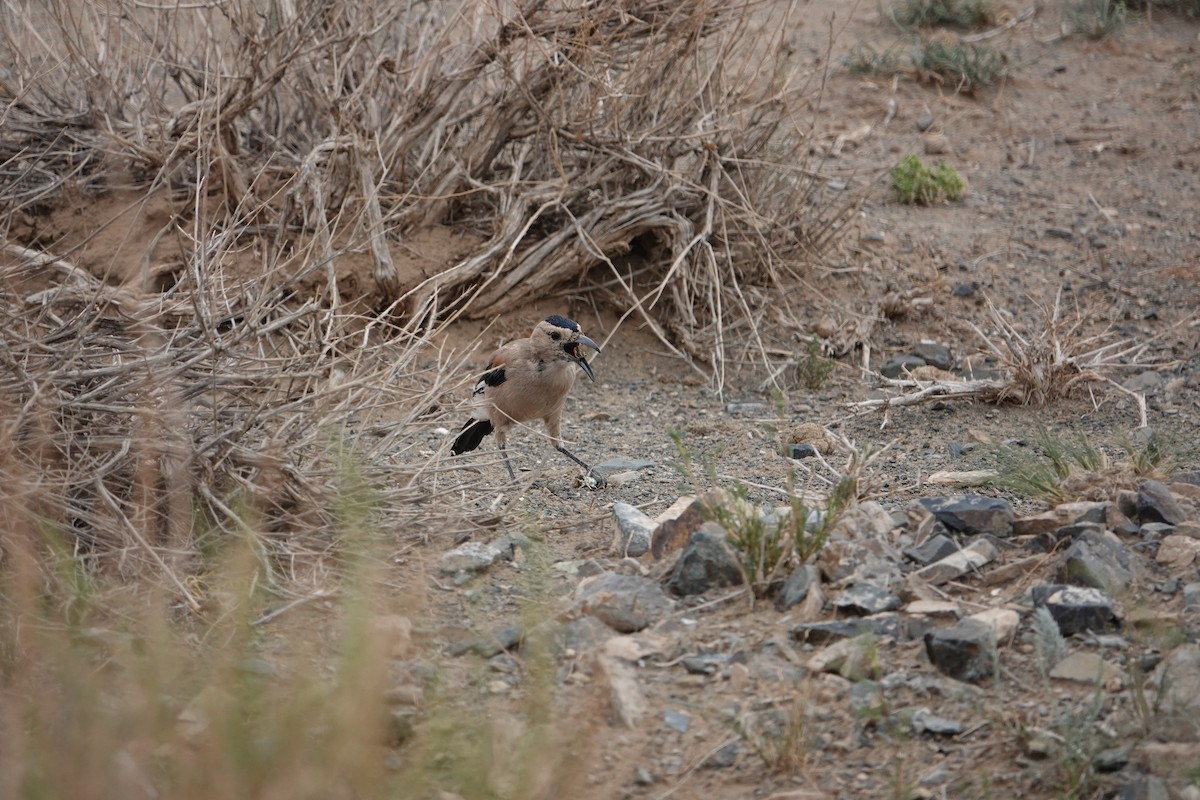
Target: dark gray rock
[(897, 366), (705, 663), (725, 757), (963, 290), (802, 450), (797, 586), (934, 549), (612, 466), (706, 562), (889, 625), (971, 514), (924, 122), (965, 651), (933, 354), (677, 720), (1110, 760), (625, 603), (865, 599), (490, 644), (1076, 608), (1060, 233), (469, 557), (745, 408), (1093, 560), (1147, 787), (1191, 597), (925, 721), (1155, 503)]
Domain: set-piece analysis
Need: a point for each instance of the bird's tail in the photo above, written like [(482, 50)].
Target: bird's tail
[(471, 436)]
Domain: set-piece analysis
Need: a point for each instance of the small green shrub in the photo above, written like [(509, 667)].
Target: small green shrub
[(864, 59), (930, 13), (814, 369), (1043, 470), (917, 183), (969, 67), (1099, 19)]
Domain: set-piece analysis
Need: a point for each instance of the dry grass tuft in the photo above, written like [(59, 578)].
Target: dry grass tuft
[(644, 153), (1049, 365)]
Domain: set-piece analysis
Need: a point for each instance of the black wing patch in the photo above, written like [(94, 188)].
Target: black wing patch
[(562, 322), (493, 377), (471, 436)]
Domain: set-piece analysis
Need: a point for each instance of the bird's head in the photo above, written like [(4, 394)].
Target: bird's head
[(557, 338)]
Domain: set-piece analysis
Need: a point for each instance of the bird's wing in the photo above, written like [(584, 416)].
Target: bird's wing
[(493, 377)]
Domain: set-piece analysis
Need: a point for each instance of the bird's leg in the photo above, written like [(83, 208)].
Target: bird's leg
[(507, 464), (596, 476)]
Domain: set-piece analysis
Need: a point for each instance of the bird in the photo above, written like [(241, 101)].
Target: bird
[(529, 379)]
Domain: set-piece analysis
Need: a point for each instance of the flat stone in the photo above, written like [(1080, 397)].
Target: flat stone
[(933, 549), (677, 720), (469, 557), (865, 599), (634, 530), (1087, 668), (959, 563), (745, 408), (925, 721), (490, 644), (934, 608), (1155, 503), (612, 466), (707, 562), (1038, 524), (1002, 621), (889, 625), (965, 651), (625, 603), (705, 663), (1177, 552), (1076, 608), (972, 514)]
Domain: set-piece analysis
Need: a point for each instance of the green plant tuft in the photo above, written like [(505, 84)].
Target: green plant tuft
[(864, 59), (1099, 19), (917, 183), (814, 369), (968, 67), (930, 13), (1041, 470)]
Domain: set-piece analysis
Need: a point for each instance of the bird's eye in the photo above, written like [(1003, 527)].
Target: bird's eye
[(555, 335)]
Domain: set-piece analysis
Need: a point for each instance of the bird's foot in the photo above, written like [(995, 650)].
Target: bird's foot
[(594, 480)]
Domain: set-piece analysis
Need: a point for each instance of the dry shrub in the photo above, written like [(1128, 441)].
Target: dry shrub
[(219, 380), (645, 151)]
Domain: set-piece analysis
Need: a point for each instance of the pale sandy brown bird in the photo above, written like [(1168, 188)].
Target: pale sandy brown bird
[(529, 379)]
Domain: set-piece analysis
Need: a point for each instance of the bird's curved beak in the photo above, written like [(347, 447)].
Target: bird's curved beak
[(572, 350)]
